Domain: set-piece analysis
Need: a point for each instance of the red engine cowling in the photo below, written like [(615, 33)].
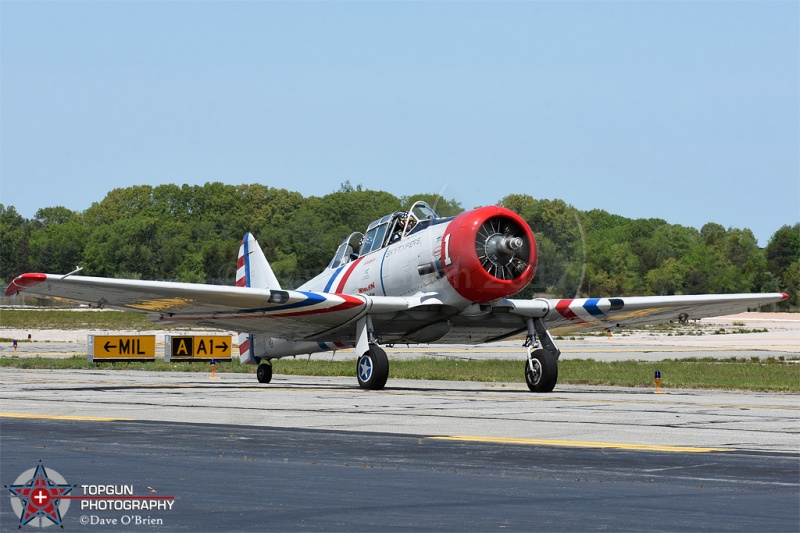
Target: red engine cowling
[(488, 253)]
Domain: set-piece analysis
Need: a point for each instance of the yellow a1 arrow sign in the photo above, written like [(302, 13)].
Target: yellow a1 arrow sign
[(200, 346)]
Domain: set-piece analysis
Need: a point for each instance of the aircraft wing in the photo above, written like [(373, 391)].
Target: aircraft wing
[(293, 315), (564, 315), (319, 316), (507, 317)]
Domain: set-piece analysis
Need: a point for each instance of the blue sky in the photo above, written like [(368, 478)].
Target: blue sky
[(686, 111)]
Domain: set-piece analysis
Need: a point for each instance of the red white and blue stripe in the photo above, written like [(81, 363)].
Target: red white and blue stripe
[(587, 310)]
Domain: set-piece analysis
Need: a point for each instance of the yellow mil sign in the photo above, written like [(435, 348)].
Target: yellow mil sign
[(196, 346), (123, 347)]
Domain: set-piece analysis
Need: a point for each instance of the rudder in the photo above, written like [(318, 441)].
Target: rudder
[(252, 270), (252, 267)]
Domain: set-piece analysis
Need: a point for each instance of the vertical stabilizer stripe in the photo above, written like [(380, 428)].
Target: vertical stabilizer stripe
[(247, 260)]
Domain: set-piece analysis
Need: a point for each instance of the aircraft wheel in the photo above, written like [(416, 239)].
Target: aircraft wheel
[(264, 373), (543, 376), (372, 368)]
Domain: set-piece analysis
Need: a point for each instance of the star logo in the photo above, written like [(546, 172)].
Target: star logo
[(37, 495), (365, 368)]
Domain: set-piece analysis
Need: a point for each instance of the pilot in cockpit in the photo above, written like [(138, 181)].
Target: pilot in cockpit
[(404, 225)]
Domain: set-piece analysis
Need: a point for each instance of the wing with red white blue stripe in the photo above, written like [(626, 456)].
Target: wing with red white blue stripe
[(564, 315), (285, 314)]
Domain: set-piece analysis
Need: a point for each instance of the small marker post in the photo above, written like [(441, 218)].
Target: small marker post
[(608, 331), (29, 337), (15, 347), (213, 367), (658, 382)]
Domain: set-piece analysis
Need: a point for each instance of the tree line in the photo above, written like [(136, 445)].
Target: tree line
[(192, 233)]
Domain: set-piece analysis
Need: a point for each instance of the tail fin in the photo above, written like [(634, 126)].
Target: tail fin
[(252, 270)]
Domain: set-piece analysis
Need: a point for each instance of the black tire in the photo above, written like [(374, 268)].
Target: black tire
[(264, 373), (372, 368), (545, 374)]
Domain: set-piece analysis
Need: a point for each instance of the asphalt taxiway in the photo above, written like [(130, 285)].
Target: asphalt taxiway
[(255, 478), (321, 454)]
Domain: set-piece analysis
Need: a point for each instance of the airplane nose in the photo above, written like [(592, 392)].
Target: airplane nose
[(488, 253)]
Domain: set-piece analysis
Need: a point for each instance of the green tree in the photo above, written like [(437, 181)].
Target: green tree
[(666, 279), (783, 261), (57, 244), (783, 249), (14, 236), (124, 247)]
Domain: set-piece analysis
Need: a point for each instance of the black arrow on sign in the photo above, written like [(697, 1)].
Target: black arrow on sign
[(224, 346), (108, 345)]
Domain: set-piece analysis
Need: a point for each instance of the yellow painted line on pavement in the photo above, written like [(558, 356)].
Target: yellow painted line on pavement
[(581, 444), (62, 417)]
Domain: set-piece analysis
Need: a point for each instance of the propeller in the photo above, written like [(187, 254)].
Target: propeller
[(503, 248)]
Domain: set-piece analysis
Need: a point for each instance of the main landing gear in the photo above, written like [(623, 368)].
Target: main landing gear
[(372, 366), (541, 368)]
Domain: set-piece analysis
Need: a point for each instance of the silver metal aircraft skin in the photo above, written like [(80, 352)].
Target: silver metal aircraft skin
[(413, 277)]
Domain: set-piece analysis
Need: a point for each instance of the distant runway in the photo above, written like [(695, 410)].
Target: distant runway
[(321, 454)]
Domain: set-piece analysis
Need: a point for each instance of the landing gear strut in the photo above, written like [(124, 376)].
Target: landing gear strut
[(541, 368)]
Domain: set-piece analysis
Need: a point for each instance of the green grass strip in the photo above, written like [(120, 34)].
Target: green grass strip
[(770, 375), (83, 319)]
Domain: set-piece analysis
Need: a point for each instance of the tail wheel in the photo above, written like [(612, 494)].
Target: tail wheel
[(372, 368), (541, 371), (264, 373)]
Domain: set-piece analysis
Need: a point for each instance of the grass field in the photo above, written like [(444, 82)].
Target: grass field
[(735, 374), (78, 319)]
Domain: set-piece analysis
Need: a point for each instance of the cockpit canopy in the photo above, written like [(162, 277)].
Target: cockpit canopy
[(384, 231)]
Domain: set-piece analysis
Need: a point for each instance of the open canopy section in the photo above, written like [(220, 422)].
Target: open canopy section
[(348, 250), (384, 231), (396, 226)]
